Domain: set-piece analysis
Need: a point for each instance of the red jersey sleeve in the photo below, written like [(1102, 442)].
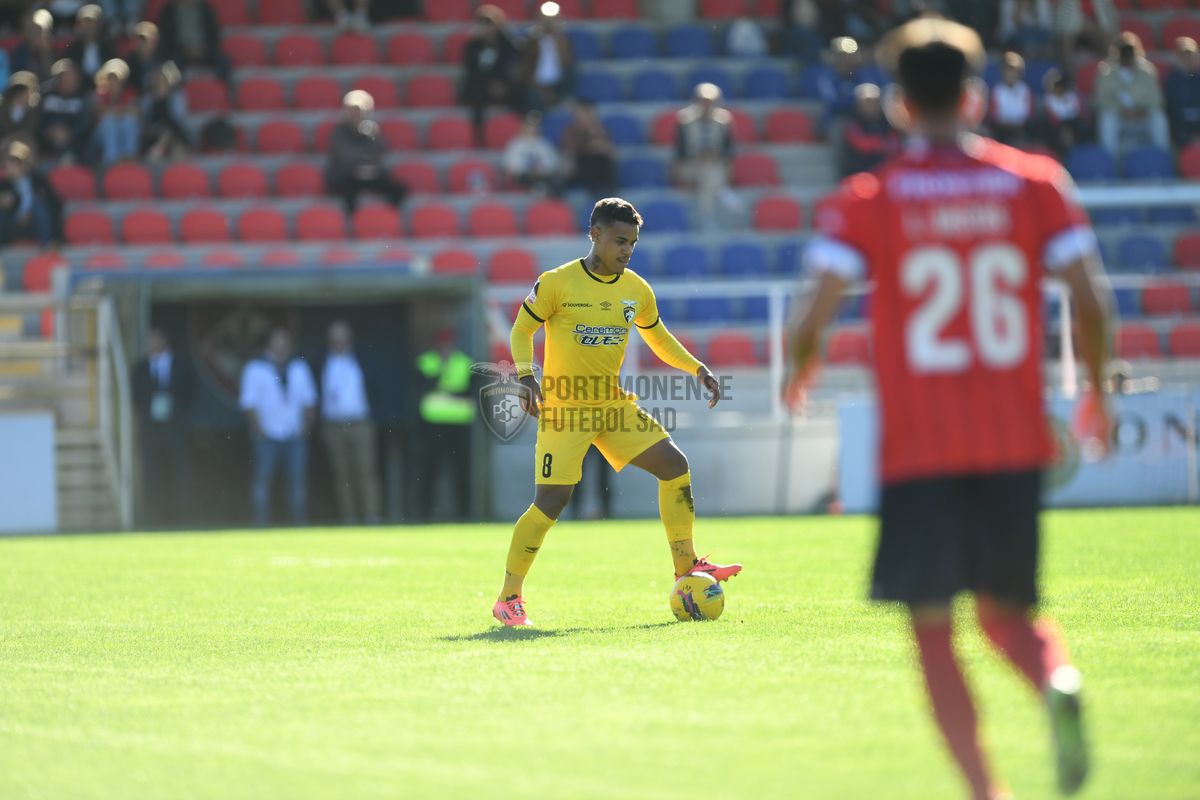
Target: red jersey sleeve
[(843, 226), (1066, 232)]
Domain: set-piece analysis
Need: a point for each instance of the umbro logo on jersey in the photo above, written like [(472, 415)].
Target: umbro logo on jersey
[(605, 306), (576, 305)]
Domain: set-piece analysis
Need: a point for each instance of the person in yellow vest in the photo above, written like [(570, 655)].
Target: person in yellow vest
[(447, 410)]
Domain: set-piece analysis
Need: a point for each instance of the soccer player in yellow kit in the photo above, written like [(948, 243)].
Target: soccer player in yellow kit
[(589, 307)]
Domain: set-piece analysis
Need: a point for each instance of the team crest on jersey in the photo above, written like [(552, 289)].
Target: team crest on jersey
[(628, 310)]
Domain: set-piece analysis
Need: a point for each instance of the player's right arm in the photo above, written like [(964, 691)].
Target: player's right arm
[(533, 313)]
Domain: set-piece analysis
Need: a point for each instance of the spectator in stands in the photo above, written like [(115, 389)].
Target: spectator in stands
[(1088, 23), (164, 134), (1026, 25), (704, 150), (869, 138), (859, 19), (836, 83), (744, 38), (589, 153), (348, 430), (801, 21), (356, 155), (350, 14), (490, 63), (145, 59), (122, 15), (279, 398), (66, 116), (29, 206), (1064, 116), (35, 52), (117, 126), (531, 161), (1183, 92), (1011, 111), (190, 35), (163, 389), (91, 48), (1129, 100), (20, 109), (548, 61)]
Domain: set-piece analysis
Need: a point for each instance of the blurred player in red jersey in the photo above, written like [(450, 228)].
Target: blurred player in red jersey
[(955, 233)]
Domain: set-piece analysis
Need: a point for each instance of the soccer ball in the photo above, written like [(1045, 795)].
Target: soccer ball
[(697, 597)]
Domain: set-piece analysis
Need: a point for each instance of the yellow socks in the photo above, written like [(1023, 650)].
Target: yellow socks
[(678, 513), (527, 538)]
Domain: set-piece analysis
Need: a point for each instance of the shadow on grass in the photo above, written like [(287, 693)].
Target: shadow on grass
[(527, 633)]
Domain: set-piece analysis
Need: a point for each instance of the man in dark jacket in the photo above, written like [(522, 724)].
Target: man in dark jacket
[(91, 48), (163, 390), (29, 206), (65, 124), (190, 35), (1183, 92), (356, 152), (490, 63)]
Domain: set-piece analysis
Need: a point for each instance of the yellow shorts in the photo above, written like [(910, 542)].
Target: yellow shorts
[(621, 432)]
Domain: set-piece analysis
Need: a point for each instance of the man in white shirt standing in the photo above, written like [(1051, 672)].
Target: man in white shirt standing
[(348, 429), (279, 398)]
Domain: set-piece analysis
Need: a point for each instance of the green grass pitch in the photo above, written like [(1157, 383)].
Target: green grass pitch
[(364, 663)]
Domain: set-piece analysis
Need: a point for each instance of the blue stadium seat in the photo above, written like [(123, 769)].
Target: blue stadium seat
[(624, 129), (585, 44), (766, 83), (686, 261), (655, 84), (633, 41), (1116, 215), (991, 72), (645, 259), (810, 80), (787, 259), (1127, 299), (743, 259), (1035, 74), (689, 41), (1171, 215), (672, 310), (599, 86), (642, 172), (554, 123), (665, 215), (754, 309), (1091, 163), (716, 75), (1142, 254), (1145, 163), (708, 309)]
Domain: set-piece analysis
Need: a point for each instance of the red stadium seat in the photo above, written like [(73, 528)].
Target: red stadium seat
[(37, 274), (74, 182), (429, 91), (1085, 77), (1180, 26), (339, 256), (410, 48), (205, 94), (262, 225), (221, 259), (789, 125), (1184, 340), (354, 48), (654, 362), (89, 227), (128, 182), (320, 223), (282, 12), (1186, 253), (453, 46), (105, 260), (280, 136), (615, 9), (434, 221), (500, 129), (280, 257), (778, 213), (517, 10), (662, 129), (242, 180), (550, 218), (261, 94), (299, 180), (1143, 29), (183, 181), (770, 9), (317, 92), (568, 9), (419, 176), (1189, 161), (382, 90), (203, 226), (1135, 340), (732, 349), (849, 346), (146, 226), (455, 261), (1166, 298), (164, 259), (744, 127), (723, 9), (245, 50), (492, 219), (512, 265), (299, 50), (377, 222), (449, 11), (400, 134), (231, 13), (323, 134), (472, 175), (450, 133), (755, 169)]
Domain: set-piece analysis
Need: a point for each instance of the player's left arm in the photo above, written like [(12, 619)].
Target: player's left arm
[(672, 352), (834, 265)]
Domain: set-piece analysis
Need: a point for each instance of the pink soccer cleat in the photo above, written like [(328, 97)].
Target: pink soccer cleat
[(722, 572), (511, 612)]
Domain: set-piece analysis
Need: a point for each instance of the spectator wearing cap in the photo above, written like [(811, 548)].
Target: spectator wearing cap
[(145, 59), (66, 116), (1064, 115), (190, 35), (835, 86), (164, 134), (1011, 109), (548, 61), (869, 138), (20, 109), (704, 149), (589, 153), (356, 155), (1128, 99), (491, 61), (117, 125), (91, 48), (1183, 92), (35, 52), (29, 206), (531, 161)]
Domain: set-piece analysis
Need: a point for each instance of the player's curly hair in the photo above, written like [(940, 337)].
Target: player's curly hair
[(614, 209)]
